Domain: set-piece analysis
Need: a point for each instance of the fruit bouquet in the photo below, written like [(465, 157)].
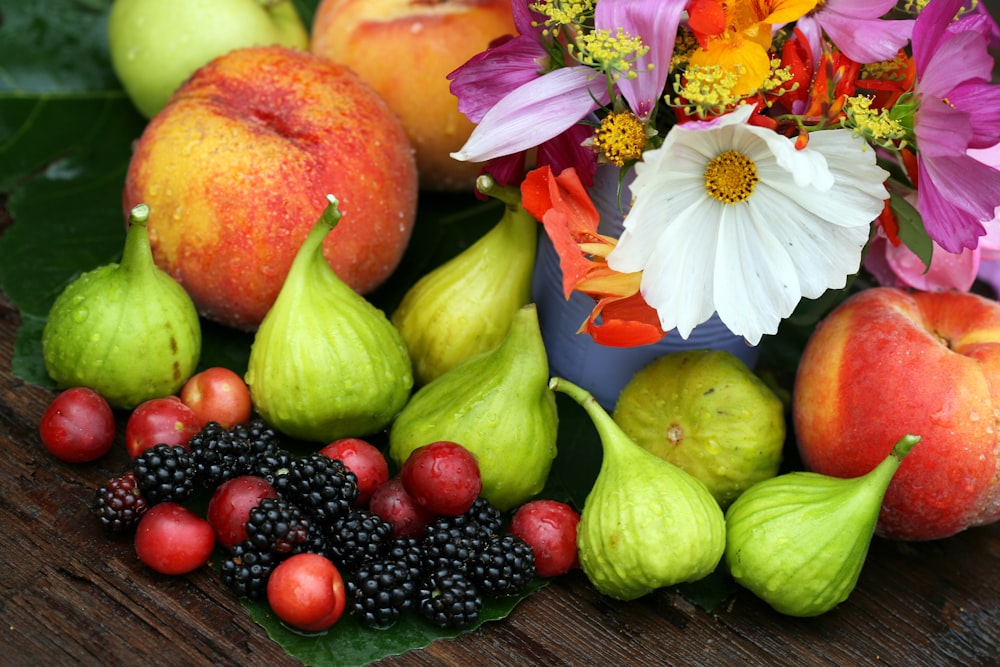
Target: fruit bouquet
[(775, 146), (323, 386)]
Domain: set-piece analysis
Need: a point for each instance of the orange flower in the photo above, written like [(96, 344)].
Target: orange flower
[(564, 208), (735, 35)]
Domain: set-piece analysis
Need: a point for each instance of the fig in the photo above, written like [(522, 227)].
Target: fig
[(646, 523), (799, 540), (325, 363), (706, 412), (465, 306), (497, 405), (127, 330)]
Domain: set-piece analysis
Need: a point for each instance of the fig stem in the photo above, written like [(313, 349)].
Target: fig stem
[(137, 256), (331, 214), (608, 430), (904, 445), (508, 194)]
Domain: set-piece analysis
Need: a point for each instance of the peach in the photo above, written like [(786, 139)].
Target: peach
[(405, 49), (236, 167), (887, 362)]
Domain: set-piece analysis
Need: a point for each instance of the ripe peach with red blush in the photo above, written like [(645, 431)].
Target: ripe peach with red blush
[(236, 168), (432, 39), (887, 362)]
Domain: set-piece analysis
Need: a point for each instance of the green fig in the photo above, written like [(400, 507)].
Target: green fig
[(798, 540), (465, 306), (646, 523), (325, 363), (127, 330), (498, 406), (705, 411)]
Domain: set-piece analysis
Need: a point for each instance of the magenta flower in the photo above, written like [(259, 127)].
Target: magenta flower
[(655, 21), (505, 66), (857, 28), (957, 109), (519, 102)]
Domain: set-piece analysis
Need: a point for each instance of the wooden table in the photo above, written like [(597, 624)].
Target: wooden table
[(72, 596)]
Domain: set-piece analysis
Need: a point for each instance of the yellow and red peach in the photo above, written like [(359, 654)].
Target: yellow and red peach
[(887, 362), (405, 49), (235, 170)]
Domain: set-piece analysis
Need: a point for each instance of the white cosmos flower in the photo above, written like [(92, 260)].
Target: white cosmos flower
[(731, 218)]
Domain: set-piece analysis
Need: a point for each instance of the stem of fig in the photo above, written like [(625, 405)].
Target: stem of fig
[(331, 214), (905, 444), (508, 194), (137, 257), (608, 430), (881, 475)]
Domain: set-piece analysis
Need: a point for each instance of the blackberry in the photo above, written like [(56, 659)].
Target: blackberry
[(278, 526), (504, 566), (357, 537), (448, 599), (451, 542), (405, 550), (488, 517), (118, 504), (271, 464), (219, 455), (319, 485), (260, 437), (245, 570), (165, 473), (380, 591)]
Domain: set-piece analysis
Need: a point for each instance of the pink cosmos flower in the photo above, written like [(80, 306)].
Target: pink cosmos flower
[(957, 109), (513, 66), (898, 266), (655, 21), (857, 28)]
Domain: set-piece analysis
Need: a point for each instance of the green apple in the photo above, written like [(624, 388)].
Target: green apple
[(156, 45)]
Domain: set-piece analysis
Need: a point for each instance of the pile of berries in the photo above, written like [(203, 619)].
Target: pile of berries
[(268, 504), (423, 541)]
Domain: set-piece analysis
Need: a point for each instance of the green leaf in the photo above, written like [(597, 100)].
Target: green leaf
[(348, 644), (911, 230)]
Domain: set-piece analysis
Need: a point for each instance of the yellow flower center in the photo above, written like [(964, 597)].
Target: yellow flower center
[(620, 138), (731, 177)]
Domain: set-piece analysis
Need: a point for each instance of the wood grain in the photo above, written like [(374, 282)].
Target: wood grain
[(70, 595)]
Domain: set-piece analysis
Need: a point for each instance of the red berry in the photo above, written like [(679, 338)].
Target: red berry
[(230, 505), (78, 426), (549, 528), (365, 460), (307, 592), (391, 502), (172, 539), (442, 477), (160, 420), (218, 395)]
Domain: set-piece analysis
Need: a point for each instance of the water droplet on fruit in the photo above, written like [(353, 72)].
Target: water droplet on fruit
[(973, 416), (80, 315)]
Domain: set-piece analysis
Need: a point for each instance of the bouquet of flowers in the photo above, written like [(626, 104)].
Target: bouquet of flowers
[(777, 147)]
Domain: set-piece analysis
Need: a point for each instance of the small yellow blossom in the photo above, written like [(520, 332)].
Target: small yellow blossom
[(875, 125), (620, 138), (706, 90), (613, 54)]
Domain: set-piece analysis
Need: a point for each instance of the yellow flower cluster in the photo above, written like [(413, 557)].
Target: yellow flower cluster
[(874, 125), (620, 138), (609, 53)]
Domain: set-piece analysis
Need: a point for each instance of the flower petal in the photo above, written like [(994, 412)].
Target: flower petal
[(655, 21), (534, 113)]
